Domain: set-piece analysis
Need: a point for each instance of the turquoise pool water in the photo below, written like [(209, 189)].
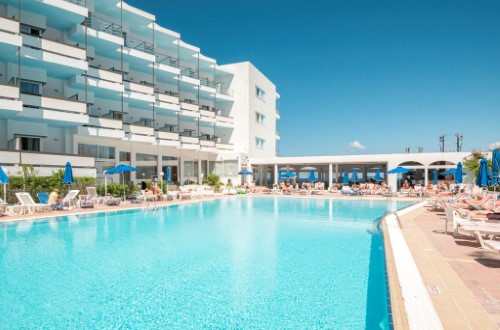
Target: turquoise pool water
[(239, 263)]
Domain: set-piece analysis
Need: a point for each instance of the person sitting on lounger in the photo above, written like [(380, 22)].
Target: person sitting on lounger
[(156, 191), (54, 198)]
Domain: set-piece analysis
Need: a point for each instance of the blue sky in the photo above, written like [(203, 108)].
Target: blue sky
[(387, 74)]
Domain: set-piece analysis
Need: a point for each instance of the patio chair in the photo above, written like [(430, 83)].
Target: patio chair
[(460, 221), (43, 197), (70, 199), (481, 229), (94, 197), (28, 205)]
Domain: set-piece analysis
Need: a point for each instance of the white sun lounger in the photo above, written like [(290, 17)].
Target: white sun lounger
[(28, 205), (481, 229), (71, 200)]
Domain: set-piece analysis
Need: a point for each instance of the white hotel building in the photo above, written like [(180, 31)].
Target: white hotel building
[(100, 83)]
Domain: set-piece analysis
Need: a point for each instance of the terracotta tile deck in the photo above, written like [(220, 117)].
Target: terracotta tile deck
[(466, 276)]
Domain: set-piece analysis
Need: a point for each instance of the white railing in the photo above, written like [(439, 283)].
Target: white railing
[(137, 129), (9, 25), (189, 139), (9, 92), (189, 106), (167, 135), (167, 98), (105, 122), (207, 143), (105, 75), (54, 47), (140, 88), (51, 103), (45, 159), (225, 146), (207, 113)]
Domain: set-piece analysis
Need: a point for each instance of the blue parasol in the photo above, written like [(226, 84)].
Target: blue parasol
[(245, 172), (288, 175), (458, 173), (354, 176), (451, 171), (5, 180), (435, 175), (483, 176), (345, 179), (378, 177), (68, 174), (312, 176), (119, 169), (399, 169)]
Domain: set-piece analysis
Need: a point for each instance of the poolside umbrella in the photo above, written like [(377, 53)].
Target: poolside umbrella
[(458, 173), (167, 177), (450, 171), (495, 167), (345, 179), (399, 169), (378, 177), (312, 176), (354, 176), (245, 172), (119, 169), (288, 175), (280, 175), (5, 180), (483, 176), (68, 174), (435, 174)]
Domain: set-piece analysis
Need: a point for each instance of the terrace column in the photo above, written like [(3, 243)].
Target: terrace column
[(199, 169), (275, 173), (330, 175), (426, 176), (336, 173)]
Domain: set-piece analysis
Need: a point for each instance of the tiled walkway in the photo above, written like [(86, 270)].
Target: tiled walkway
[(463, 279)]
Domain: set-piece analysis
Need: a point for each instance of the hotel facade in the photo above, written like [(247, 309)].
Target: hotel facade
[(101, 83)]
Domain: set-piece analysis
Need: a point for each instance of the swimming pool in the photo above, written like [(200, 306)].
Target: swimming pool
[(231, 263)]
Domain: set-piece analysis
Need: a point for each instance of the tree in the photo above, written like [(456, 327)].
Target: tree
[(471, 162)]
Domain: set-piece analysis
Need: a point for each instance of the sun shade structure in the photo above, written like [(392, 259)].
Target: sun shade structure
[(345, 179), (245, 172), (119, 169), (451, 171), (399, 169), (495, 167), (483, 176), (68, 174), (435, 175), (378, 177)]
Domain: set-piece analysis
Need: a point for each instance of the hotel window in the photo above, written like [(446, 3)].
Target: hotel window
[(260, 118), (124, 156), (259, 143), (260, 93), (92, 150), (146, 157), (31, 87), (145, 172), (167, 158), (26, 29), (30, 143)]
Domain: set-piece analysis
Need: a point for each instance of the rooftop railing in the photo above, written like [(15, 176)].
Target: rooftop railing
[(142, 46), (166, 59), (100, 24)]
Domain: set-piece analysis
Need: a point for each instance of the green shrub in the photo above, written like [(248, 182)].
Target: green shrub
[(213, 180), (117, 190)]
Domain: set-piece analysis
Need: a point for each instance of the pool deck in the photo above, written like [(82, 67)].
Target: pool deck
[(462, 279)]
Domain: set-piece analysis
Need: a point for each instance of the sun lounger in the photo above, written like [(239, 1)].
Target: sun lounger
[(348, 191), (28, 205), (93, 196), (481, 229), (43, 197)]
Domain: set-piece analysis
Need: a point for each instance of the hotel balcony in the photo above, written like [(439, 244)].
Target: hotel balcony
[(52, 109), (100, 81), (189, 142), (207, 144), (105, 36), (167, 63), (47, 163), (168, 97), (207, 85), (72, 9), (137, 132), (141, 92), (48, 51), (138, 49), (190, 76), (108, 125), (190, 108), (9, 99), (206, 114), (224, 121), (167, 137), (224, 146), (224, 95), (9, 33)]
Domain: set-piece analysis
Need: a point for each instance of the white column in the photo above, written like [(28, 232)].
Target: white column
[(199, 168), (330, 175), (275, 173), (426, 176)]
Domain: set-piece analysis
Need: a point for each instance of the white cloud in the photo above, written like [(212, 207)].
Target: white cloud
[(356, 145), (494, 145)]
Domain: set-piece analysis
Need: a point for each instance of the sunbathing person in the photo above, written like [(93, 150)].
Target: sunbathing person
[(156, 191)]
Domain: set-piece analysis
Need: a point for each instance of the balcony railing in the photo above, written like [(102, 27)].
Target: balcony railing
[(167, 60), (77, 2), (207, 82), (100, 24), (189, 72), (141, 46)]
